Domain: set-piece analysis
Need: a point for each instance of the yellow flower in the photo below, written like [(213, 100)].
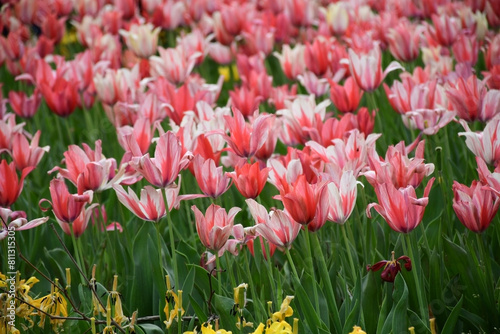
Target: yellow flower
[(357, 330), (114, 295), (69, 37), (227, 71), (54, 304), (176, 300), (260, 329), (285, 311), (97, 306), (207, 329), (279, 327)]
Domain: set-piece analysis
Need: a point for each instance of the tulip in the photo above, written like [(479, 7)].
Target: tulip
[(465, 49), (367, 69), (142, 40), (404, 41), (345, 98), (150, 206), (292, 60), (398, 168), (212, 180), (24, 106), (428, 121), (467, 96), (173, 64), (81, 222), (301, 116), (244, 140), (25, 154), (488, 178), (400, 208), (163, 169), (89, 169), (8, 129), (137, 139), (61, 96), (446, 29), (10, 185), (337, 18), (306, 203), (214, 228), (277, 227), (249, 179), (316, 56), (341, 197), (53, 28), (13, 45), (126, 7), (245, 100), (106, 87), (66, 207), (486, 144), (17, 220), (475, 206), (349, 153)]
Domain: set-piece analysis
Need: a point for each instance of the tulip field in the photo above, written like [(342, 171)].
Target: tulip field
[(260, 166)]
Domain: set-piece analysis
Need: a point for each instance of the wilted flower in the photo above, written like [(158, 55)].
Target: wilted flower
[(390, 268)]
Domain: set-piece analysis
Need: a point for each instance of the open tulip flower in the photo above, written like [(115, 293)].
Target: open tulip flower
[(215, 226), (162, 170), (401, 208)]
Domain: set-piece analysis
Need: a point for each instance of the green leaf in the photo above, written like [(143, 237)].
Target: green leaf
[(151, 329), (384, 310), (158, 277), (198, 310), (449, 326), (304, 304), (141, 297), (223, 306), (400, 319), (370, 301)]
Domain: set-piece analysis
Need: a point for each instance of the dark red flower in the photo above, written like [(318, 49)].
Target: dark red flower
[(391, 268)]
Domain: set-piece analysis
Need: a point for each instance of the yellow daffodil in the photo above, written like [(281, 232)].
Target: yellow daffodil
[(357, 330)]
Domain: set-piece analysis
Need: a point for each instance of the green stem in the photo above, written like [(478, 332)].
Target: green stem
[(349, 255), (172, 248), (88, 120), (485, 258), (158, 245), (408, 248), (231, 274), (292, 265), (270, 264), (325, 277), (373, 106), (188, 217), (311, 268), (261, 311), (77, 251), (219, 273)]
